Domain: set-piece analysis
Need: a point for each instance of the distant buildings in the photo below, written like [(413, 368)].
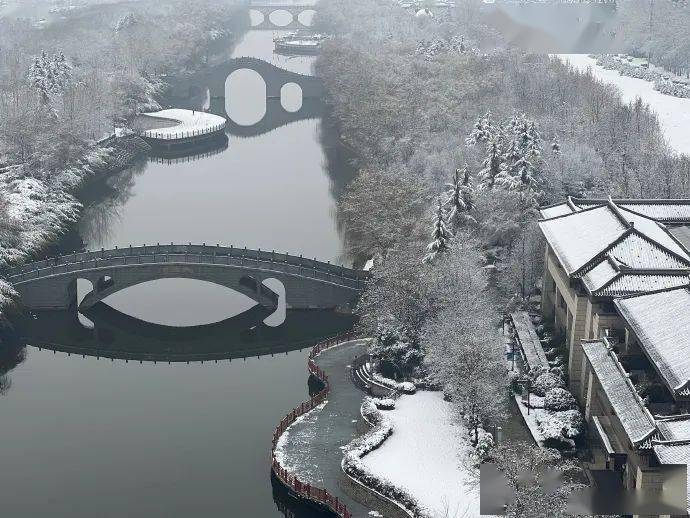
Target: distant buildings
[(616, 286)]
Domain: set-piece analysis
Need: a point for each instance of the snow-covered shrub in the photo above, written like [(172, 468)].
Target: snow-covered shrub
[(662, 83), (558, 399), (406, 386), (670, 88), (558, 371), (484, 444), (545, 382), (551, 353), (559, 429), (384, 404)]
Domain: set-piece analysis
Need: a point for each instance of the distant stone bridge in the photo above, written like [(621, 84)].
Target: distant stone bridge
[(52, 283), (215, 78), (294, 10), (275, 78)]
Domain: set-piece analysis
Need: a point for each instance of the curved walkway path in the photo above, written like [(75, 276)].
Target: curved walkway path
[(313, 446)]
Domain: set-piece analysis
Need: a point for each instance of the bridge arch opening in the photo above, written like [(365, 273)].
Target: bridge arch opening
[(83, 288), (278, 316), (281, 18), (245, 97), (306, 17), (180, 302), (291, 97), (256, 18)]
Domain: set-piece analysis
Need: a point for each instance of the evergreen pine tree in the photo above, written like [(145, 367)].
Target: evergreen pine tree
[(460, 198), (491, 167), (483, 131), (556, 145), (440, 234)]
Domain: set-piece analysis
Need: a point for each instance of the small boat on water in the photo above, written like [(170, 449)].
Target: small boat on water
[(298, 43)]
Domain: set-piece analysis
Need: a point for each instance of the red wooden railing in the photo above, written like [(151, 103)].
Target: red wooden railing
[(304, 489)]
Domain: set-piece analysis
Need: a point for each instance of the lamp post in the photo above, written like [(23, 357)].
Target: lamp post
[(527, 383)]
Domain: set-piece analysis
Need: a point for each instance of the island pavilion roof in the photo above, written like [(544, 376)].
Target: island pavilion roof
[(661, 322), (613, 250), (634, 417)]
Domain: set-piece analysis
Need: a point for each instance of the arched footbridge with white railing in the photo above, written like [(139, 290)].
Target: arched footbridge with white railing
[(309, 283)]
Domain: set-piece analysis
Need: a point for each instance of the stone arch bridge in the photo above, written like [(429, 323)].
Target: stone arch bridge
[(293, 9), (215, 77), (309, 284), (275, 78)]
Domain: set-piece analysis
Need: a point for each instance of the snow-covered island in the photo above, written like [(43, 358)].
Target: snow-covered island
[(178, 124)]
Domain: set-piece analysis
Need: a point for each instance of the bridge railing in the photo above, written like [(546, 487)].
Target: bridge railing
[(192, 254), (289, 479)]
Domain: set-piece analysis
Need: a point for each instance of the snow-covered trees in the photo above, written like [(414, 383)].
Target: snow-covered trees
[(440, 235), (556, 145), (460, 199), (49, 75), (379, 209), (491, 166), (395, 349), (513, 155)]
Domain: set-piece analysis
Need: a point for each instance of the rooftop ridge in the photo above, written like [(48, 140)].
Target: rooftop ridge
[(635, 201), (675, 417), (653, 241), (573, 207), (652, 292), (612, 355), (617, 212), (560, 216), (600, 255)]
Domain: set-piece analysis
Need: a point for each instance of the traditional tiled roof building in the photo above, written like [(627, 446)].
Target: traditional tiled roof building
[(617, 286), (598, 250)]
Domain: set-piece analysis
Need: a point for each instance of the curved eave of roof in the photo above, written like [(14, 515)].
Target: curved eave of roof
[(683, 390), (681, 278)]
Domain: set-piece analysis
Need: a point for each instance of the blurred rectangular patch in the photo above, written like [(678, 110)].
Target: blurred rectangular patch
[(665, 494), (557, 27)]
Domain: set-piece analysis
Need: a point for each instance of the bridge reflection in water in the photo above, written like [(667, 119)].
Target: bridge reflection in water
[(116, 335)]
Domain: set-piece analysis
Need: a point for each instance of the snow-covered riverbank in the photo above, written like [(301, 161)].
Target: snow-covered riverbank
[(673, 112), (426, 456)]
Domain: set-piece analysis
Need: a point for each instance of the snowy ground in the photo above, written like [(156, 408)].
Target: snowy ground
[(426, 456), (184, 122), (673, 112)]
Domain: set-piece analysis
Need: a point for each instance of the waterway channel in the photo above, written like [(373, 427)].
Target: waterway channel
[(87, 429)]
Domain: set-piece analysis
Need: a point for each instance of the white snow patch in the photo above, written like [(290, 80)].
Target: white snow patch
[(673, 112), (426, 456), (279, 452)]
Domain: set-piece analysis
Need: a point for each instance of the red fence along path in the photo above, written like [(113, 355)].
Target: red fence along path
[(303, 489)]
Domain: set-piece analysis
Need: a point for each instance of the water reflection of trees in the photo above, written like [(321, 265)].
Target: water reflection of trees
[(340, 166), (11, 355), (104, 201)]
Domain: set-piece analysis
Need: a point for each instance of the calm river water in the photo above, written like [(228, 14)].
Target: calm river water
[(89, 437)]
